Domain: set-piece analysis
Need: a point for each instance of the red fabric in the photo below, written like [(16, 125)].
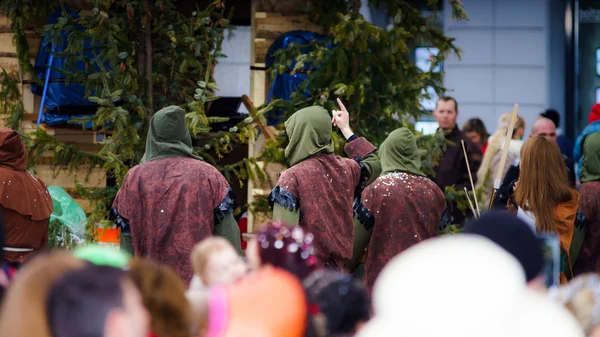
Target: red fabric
[(484, 147), (407, 209), (170, 206), (324, 187), (594, 114)]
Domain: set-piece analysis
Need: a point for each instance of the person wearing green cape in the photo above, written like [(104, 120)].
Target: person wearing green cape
[(402, 207), (317, 191), (588, 260), (173, 199)]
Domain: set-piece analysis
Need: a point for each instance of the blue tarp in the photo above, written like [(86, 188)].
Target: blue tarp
[(62, 100), (285, 84)]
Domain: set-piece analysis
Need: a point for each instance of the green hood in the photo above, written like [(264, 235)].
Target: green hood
[(309, 132), (399, 153), (168, 136), (590, 167)]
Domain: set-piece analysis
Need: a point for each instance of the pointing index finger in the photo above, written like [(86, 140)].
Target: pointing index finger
[(339, 101)]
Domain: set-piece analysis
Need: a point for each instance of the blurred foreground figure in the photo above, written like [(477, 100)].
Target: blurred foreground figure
[(215, 261), (26, 203), (173, 199), (488, 291), (268, 303), (96, 301), (24, 312), (582, 298), (402, 207)]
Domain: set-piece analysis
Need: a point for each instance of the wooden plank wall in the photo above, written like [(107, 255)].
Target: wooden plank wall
[(266, 27), (82, 140)]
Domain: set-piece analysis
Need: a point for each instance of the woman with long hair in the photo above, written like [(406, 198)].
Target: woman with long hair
[(544, 196), (491, 159)]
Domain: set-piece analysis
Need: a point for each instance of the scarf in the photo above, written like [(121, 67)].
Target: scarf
[(590, 168), (399, 152), (309, 132), (168, 136)]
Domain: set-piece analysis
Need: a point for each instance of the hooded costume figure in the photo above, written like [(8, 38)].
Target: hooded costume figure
[(26, 203), (173, 199), (403, 206), (589, 205), (318, 189)]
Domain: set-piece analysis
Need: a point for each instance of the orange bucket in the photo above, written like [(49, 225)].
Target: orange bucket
[(108, 235)]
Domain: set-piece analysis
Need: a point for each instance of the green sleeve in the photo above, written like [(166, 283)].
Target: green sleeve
[(228, 229), (373, 166), (286, 216), (126, 246), (361, 241)]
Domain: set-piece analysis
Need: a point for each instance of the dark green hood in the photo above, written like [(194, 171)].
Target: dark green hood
[(168, 136), (309, 132), (590, 167), (399, 153)]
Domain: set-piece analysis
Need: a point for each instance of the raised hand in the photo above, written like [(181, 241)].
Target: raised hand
[(341, 119)]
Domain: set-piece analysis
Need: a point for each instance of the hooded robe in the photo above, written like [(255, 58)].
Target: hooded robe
[(317, 191), (26, 203), (588, 260), (173, 199), (404, 206)]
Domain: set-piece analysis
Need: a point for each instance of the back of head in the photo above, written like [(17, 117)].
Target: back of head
[(399, 152), (514, 236), (204, 249), (286, 247), (268, 303), (543, 181), (102, 255), (309, 132), (12, 150), (163, 294), (581, 297), (590, 168), (342, 301), (486, 284), (80, 302), (24, 308), (594, 114)]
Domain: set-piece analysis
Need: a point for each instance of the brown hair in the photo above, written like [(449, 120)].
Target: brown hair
[(476, 125), (24, 310), (203, 250), (543, 181), (448, 98), (163, 293)]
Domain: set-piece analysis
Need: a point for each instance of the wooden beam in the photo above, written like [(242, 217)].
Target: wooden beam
[(272, 25), (62, 178)]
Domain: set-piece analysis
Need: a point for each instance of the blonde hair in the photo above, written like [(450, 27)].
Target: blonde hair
[(543, 182), (581, 298), (24, 310), (495, 145), (204, 249)]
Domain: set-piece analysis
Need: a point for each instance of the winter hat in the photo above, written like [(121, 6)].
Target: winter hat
[(594, 114), (464, 274), (514, 236)]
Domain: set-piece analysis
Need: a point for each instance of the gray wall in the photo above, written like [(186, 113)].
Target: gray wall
[(509, 55)]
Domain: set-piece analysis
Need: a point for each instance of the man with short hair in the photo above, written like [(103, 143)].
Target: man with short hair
[(542, 127), (96, 301), (565, 145), (452, 169)]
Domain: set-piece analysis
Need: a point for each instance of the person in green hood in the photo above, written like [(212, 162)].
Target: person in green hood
[(402, 207), (317, 192), (172, 199), (588, 260)]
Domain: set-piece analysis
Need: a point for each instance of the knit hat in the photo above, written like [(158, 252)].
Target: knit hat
[(514, 236), (594, 114)]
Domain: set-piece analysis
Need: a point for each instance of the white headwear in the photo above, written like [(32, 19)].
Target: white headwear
[(453, 286)]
